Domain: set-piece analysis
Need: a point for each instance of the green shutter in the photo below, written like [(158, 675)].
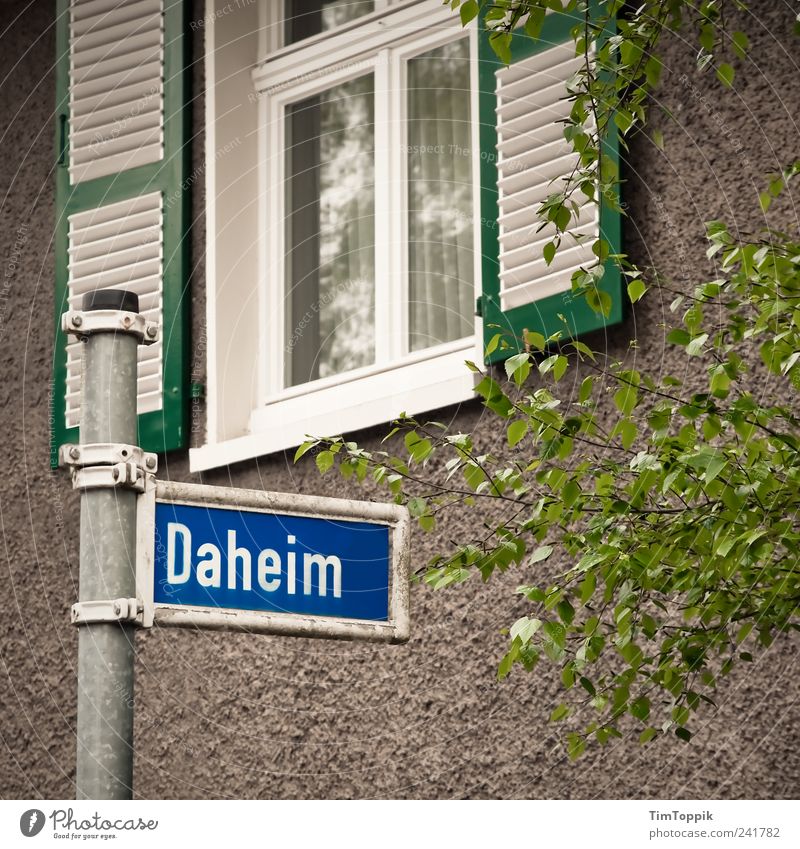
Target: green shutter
[(515, 298), (122, 209)]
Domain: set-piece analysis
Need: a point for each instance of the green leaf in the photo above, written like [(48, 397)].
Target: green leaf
[(541, 553), (741, 44), (559, 367), (658, 139), (304, 448), (517, 366), (683, 734), (417, 506), (533, 26), (599, 301), (549, 252), (725, 74), (491, 346), (576, 746), (535, 340), (500, 42), (647, 735), (636, 289), (587, 587), (516, 431), (585, 391), (468, 11), (640, 708), (695, 347), (561, 712), (324, 461), (419, 448), (626, 398), (628, 432), (523, 629)]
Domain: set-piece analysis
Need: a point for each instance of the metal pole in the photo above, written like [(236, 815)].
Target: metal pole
[(107, 563)]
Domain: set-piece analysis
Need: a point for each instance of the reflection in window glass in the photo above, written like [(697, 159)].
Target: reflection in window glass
[(305, 18), (441, 284), (330, 285)]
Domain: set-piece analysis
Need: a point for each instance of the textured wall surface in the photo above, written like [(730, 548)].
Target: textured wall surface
[(238, 716)]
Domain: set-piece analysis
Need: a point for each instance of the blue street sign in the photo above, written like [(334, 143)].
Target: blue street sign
[(219, 557), (272, 563)]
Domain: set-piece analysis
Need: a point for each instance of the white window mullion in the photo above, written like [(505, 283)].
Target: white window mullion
[(398, 279), (384, 266), (274, 283)]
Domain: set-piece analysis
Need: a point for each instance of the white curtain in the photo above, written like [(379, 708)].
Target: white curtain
[(440, 219)]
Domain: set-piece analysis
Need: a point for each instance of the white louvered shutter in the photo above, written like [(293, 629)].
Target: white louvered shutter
[(533, 160), (524, 159), (119, 245), (116, 86), (122, 214)]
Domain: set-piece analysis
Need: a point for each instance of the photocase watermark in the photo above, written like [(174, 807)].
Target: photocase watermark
[(66, 825), (32, 822), (189, 181), (198, 380), (725, 130), (317, 74), (221, 12), (676, 243), (327, 299), (118, 127), (10, 271)]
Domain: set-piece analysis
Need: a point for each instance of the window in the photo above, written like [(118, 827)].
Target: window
[(348, 269), (370, 175)]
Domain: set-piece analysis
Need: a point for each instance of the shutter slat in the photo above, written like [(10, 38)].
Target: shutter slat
[(115, 113), (106, 83), (525, 218), (511, 144), (85, 224), (544, 287), (122, 161), (107, 133), (119, 241), (536, 156), (87, 8), (546, 173), (116, 30), (139, 50), (534, 122), (128, 96), (521, 88), (567, 259), (85, 19), (525, 243), (538, 62), (531, 100)]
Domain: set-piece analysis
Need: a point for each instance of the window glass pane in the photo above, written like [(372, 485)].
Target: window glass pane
[(441, 286), (305, 18), (330, 285)]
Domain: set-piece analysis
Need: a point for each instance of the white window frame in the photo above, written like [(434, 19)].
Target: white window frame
[(398, 381)]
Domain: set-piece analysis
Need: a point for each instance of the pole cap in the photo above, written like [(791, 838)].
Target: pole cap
[(111, 299)]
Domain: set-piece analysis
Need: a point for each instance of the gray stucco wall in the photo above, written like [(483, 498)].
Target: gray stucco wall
[(237, 716)]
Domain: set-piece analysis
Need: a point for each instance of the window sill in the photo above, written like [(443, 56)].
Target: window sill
[(344, 407)]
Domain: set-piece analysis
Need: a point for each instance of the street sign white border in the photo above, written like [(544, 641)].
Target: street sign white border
[(395, 630)]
